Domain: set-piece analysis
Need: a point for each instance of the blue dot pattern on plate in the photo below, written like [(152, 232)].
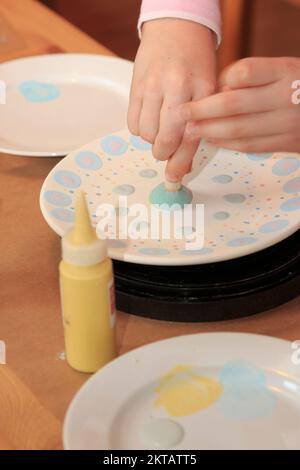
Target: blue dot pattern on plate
[(286, 166), (148, 173), (203, 251), (139, 143), (124, 189), (291, 205), (241, 241), (118, 244), (274, 226), (114, 145), (221, 215), (245, 395), (154, 251), (67, 179), (222, 179), (38, 92), (292, 186), (64, 215), (57, 198), (88, 160), (258, 157), (235, 198)]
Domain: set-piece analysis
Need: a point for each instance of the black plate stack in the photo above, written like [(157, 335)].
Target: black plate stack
[(211, 292)]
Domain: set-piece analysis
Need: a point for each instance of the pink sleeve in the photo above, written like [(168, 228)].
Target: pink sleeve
[(206, 12)]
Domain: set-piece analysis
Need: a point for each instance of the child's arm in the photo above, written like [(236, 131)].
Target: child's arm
[(175, 63), (205, 12), (258, 111)]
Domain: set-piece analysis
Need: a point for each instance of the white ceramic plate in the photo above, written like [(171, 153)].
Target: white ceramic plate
[(204, 391), (250, 201), (56, 103)]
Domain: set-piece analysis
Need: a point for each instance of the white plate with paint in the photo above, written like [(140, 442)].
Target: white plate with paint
[(56, 103), (250, 201), (203, 391)]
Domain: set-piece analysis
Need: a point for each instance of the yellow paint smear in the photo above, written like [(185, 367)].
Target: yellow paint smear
[(182, 392)]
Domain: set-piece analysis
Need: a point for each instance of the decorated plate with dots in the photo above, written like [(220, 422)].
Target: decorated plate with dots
[(239, 203), (55, 103)]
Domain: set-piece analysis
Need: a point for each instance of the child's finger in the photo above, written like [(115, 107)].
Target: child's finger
[(133, 114), (149, 118), (170, 132), (264, 144), (250, 125), (230, 103), (253, 71), (180, 163)]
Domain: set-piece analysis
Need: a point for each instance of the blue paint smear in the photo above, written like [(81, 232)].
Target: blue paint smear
[(38, 92), (245, 396)]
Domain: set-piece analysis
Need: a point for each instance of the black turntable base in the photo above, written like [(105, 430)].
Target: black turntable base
[(211, 292)]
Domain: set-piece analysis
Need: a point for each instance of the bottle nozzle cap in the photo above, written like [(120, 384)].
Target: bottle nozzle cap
[(80, 245)]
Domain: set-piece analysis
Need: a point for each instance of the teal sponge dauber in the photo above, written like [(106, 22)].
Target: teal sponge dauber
[(170, 200)]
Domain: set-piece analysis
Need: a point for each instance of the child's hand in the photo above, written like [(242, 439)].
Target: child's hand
[(174, 64), (255, 112)]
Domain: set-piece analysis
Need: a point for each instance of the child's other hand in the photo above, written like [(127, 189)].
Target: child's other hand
[(175, 63), (255, 112)]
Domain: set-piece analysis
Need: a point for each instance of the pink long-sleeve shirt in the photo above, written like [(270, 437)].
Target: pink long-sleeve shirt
[(206, 12)]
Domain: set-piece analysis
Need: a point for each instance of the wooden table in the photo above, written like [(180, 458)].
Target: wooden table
[(36, 385)]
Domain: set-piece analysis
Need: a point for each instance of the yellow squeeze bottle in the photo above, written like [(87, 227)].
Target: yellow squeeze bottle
[(87, 295)]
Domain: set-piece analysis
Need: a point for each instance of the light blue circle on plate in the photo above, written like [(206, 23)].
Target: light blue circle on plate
[(221, 215), (114, 145), (88, 160), (291, 205), (39, 92), (292, 186), (241, 371), (241, 241), (286, 166), (274, 226), (258, 157), (222, 179), (154, 251), (67, 178), (203, 251), (246, 396), (57, 198), (235, 198), (139, 143), (112, 243), (124, 189), (148, 173), (64, 215)]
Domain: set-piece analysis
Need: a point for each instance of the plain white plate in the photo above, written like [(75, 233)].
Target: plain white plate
[(258, 406), (250, 201), (56, 103)]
